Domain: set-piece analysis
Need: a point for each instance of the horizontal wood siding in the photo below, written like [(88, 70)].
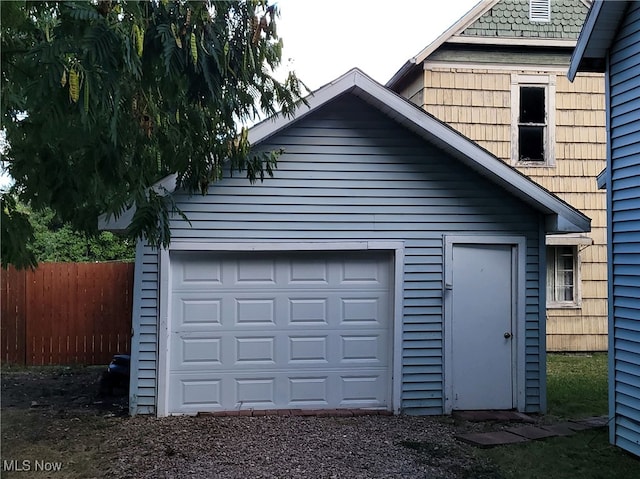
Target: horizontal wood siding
[(477, 102), (625, 234), (350, 173)]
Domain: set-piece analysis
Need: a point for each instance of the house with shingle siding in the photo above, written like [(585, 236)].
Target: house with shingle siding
[(498, 76)]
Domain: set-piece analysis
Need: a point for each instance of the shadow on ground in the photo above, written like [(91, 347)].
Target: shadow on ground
[(60, 390)]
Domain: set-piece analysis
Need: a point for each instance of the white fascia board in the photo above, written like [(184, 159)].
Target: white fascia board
[(597, 33), (556, 223), (471, 16), (583, 39), (513, 41), (569, 239), (330, 91), (431, 64)]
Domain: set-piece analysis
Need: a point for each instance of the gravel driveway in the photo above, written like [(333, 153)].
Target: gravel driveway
[(289, 447)]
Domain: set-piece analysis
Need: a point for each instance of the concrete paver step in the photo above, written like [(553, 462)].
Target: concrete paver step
[(594, 421), (517, 434), (481, 416), (490, 439), (560, 429), (531, 432)]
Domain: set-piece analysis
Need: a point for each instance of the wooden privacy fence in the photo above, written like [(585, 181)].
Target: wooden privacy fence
[(66, 313)]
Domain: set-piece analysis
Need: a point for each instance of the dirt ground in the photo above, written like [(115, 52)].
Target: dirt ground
[(55, 423)]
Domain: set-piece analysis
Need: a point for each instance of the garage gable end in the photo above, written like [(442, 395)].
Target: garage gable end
[(350, 181)]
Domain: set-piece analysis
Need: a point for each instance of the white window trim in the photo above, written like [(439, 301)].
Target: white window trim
[(577, 281), (549, 83)]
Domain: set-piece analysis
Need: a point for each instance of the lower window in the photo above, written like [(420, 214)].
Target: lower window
[(562, 276)]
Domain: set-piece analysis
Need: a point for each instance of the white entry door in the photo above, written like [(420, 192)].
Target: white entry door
[(279, 330), (481, 294)]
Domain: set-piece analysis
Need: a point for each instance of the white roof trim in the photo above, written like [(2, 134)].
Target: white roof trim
[(569, 240), (436, 132), (597, 33), (430, 64), (457, 28), (583, 39), (526, 41), (471, 16), (561, 217)]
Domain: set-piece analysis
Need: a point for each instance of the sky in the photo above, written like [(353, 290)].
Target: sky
[(325, 39)]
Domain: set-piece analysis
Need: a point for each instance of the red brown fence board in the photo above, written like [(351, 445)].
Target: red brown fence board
[(66, 313)]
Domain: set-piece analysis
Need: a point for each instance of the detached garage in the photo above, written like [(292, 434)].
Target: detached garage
[(390, 264)]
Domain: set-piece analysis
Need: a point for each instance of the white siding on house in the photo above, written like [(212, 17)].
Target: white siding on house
[(349, 173)]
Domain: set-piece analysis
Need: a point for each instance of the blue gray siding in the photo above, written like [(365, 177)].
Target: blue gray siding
[(144, 360), (624, 227), (351, 174)]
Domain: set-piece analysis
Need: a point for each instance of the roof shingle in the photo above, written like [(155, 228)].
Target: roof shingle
[(510, 18)]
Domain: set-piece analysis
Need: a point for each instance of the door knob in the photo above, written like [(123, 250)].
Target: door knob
[(507, 335)]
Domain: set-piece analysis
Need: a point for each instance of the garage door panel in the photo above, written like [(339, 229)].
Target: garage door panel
[(197, 271), (196, 351), (309, 391), (362, 272), (255, 311), (200, 393), (308, 349), (192, 310), (308, 311), (255, 350), (258, 392), (228, 391), (280, 331), (362, 311), (253, 272), (362, 390), (304, 273), (363, 349)]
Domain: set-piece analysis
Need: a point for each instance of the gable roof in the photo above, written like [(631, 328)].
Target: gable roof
[(596, 37), (560, 216), (475, 27), (355, 82)]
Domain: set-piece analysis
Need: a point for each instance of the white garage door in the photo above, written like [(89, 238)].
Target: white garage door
[(271, 331)]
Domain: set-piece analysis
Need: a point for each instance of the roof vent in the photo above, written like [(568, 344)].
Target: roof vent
[(540, 10)]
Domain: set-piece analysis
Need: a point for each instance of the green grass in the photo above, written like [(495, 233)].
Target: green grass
[(586, 455), (576, 387)]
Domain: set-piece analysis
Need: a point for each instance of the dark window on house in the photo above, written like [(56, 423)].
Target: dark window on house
[(531, 124)]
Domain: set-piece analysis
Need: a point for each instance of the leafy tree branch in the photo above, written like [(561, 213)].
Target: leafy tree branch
[(101, 99)]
